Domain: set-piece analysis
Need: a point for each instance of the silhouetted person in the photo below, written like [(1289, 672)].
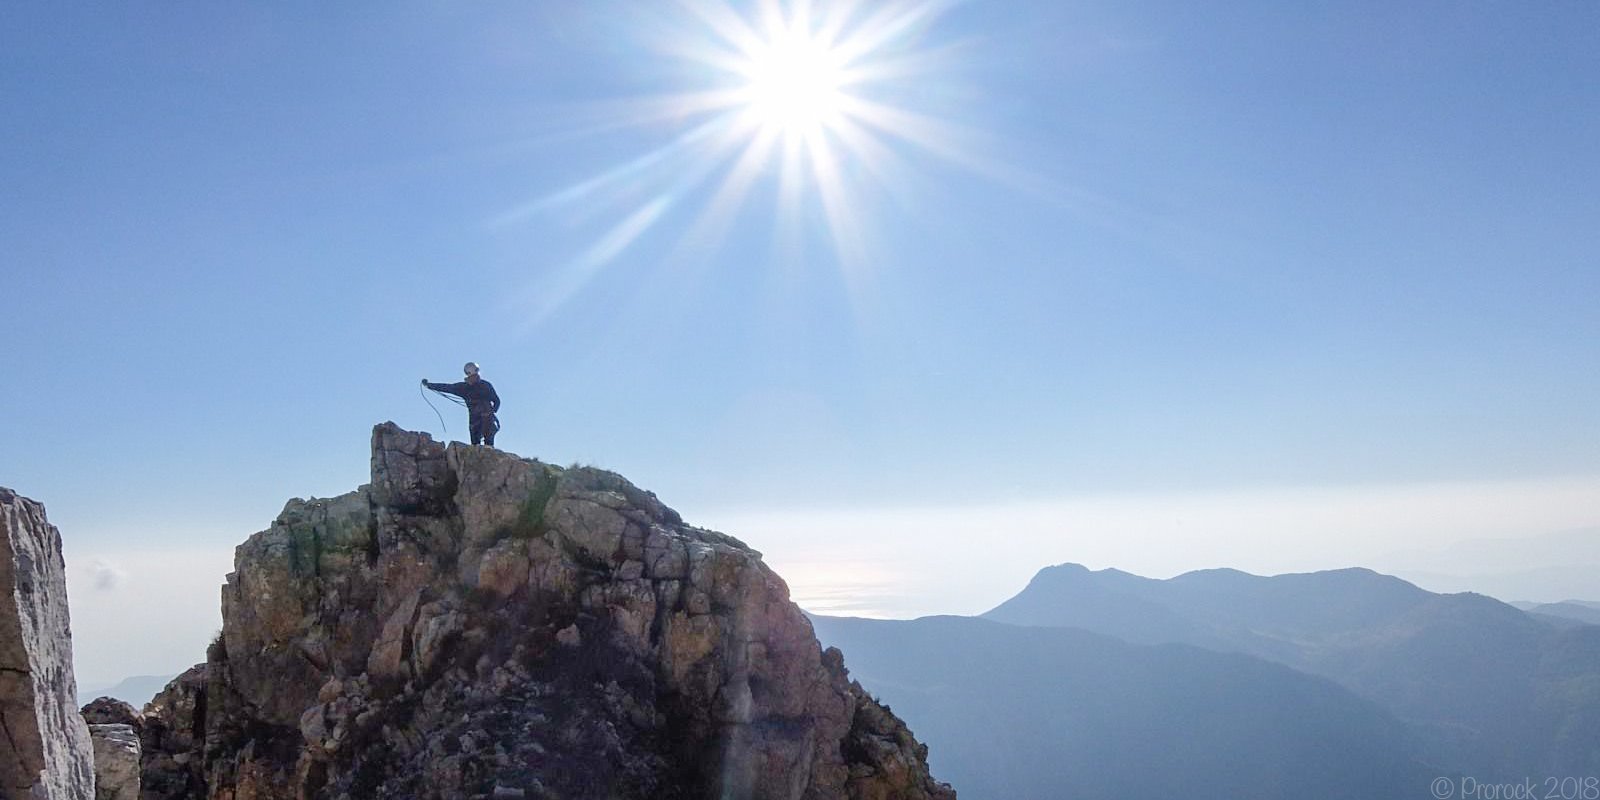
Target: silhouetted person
[(482, 403)]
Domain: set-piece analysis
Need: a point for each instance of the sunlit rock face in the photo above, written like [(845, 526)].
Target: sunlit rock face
[(45, 750), (474, 624)]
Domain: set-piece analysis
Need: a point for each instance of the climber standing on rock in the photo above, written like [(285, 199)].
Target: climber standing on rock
[(482, 403)]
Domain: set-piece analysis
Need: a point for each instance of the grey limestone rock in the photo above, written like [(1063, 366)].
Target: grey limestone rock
[(45, 752), (116, 761), (114, 729)]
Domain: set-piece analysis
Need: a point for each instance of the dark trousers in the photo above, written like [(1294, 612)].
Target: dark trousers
[(483, 428)]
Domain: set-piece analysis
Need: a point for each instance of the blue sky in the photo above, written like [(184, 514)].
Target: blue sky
[(1162, 250)]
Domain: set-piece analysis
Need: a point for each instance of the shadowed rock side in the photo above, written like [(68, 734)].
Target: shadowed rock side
[(172, 739), (474, 624), (44, 745)]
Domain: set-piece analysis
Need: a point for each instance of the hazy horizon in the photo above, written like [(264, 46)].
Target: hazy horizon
[(902, 563)]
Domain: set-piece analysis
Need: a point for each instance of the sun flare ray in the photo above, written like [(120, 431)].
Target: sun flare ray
[(812, 98)]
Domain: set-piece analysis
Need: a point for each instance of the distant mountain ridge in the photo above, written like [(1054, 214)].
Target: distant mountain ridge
[(1494, 687), (1017, 712), (1579, 611), (136, 690), (1295, 618), (1218, 683), (1222, 609), (1548, 568)]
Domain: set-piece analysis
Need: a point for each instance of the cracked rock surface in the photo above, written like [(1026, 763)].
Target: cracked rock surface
[(472, 624), (45, 750)]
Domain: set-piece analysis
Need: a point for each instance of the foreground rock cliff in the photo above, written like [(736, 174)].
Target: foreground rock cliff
[(473, 624), (44, 744)]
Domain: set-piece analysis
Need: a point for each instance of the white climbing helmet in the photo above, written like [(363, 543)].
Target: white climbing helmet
[(471, 368)]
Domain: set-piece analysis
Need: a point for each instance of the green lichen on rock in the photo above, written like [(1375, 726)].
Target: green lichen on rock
[(530, 520), (328, 534)]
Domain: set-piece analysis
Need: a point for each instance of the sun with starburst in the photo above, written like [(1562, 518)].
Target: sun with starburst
[(803, 83), (794, 84), (802, 95)]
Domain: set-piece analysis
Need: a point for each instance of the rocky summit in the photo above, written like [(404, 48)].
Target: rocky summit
[(477, 625)]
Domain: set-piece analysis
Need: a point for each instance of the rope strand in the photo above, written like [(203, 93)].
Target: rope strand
[(435, 409)]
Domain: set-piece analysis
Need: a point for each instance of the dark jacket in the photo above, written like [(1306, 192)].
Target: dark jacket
[(481, 397)]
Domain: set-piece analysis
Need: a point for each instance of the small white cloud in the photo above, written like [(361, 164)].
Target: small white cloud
[(106, 576), (144, 610)]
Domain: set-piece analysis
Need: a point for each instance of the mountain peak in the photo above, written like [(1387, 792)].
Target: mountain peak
[(473, 623), (1217, 608), (1069, 571)]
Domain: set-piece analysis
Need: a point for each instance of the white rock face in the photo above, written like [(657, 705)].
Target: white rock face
[(45, 752), (116, 762)]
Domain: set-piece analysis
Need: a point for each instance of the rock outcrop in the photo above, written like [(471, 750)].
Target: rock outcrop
[(474, 624), (116, 762), (172, 739), (111, 711), (44, 744), (114, 728)]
